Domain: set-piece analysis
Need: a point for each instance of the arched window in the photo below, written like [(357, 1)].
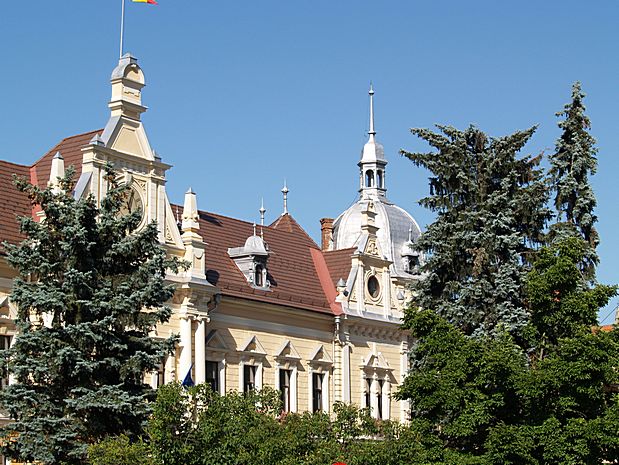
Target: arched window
[(379, 179), (369, 178), (258, 280)]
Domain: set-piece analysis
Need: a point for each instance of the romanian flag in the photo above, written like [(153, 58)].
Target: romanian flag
[(152, 2)]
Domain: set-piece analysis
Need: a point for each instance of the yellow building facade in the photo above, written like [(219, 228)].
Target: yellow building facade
[(260, 305)]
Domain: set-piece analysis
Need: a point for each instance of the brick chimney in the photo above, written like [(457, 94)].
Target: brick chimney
[(326, 232)]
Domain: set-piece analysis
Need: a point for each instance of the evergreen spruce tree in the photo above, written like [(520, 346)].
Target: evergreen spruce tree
[(572, 163), (90, 289), (490, 213)]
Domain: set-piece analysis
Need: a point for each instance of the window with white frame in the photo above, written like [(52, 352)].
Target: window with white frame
[(317, 392), (287, 362), (285, 389), (377, 379), (249, 378), (161, 378), (320, 365), (216, 355), (5, 344), (212, 375)]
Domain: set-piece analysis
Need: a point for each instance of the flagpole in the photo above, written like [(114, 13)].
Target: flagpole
[(122, 26)]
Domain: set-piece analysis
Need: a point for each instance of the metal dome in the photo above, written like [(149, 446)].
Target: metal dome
[(393, 225), (254, 245)]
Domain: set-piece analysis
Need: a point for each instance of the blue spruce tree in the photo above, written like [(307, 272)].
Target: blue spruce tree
[(90, 288)]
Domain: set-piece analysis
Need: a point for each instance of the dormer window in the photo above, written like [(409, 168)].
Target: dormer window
[(251, 260), (258, 278)]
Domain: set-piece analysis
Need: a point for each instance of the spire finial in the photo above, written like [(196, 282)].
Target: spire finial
[(410, 234), (371, 132), (285, 192), (254, 229), (262, 212)]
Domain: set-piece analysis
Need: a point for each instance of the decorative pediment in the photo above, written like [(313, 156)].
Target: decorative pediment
[(287, 351), (127, 136), (252, 346), (127, 141), (320, 356), (7, 311), (376, 361), (215, 342)]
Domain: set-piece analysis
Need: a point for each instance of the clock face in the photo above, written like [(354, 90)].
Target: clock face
[(133, 203)]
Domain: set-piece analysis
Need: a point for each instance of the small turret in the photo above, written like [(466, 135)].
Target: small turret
[(194, 245), (373, 163), (190, 213), (127, 83), (56, 173)]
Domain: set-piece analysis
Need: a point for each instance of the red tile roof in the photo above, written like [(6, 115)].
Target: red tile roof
[(13, 203), (294, 279), (301, 276), (70, 149), (339, 263)]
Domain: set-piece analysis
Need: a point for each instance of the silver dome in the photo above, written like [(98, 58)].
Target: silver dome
[(393, 225)]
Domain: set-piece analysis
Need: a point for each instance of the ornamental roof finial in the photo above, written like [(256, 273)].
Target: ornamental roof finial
[(285, 192), (372, 131), (262, 212)]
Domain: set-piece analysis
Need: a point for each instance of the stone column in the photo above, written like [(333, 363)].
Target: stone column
[(374, 395), (200, 343), (186, 356), (386, 398), (346, 373)]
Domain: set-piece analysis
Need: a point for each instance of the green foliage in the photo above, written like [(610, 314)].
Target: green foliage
[(490, 209), (90, 289), (120, 451), (197, 426), (550, 397), (571, 165)]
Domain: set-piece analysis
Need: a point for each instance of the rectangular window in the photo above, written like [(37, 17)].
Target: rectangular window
[(284, 386), (317, 379), (5, 344), (379, 394), (249, 378), (212, 375), (368, 393)]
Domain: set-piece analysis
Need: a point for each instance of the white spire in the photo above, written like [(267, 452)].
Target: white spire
[(262, 212), (372, 163), (285, 192), (56, 172), (371, 132), (190, 212)]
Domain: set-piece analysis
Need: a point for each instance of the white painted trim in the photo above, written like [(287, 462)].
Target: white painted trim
[(268, 327), (222, 377)]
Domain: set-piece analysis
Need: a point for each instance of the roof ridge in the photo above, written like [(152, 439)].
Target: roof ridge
[(62, 141), (294, 222), (15, 164), (250, 223)]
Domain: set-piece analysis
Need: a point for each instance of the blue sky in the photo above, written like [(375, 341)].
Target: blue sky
[(244, 94)]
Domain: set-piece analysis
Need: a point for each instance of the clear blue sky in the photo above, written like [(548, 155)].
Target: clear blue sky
[(244, 94)]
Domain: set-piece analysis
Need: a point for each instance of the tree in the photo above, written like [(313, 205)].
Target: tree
[(491, 211), (571, 165), (90, 289), (197, 426), (548, 397)]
